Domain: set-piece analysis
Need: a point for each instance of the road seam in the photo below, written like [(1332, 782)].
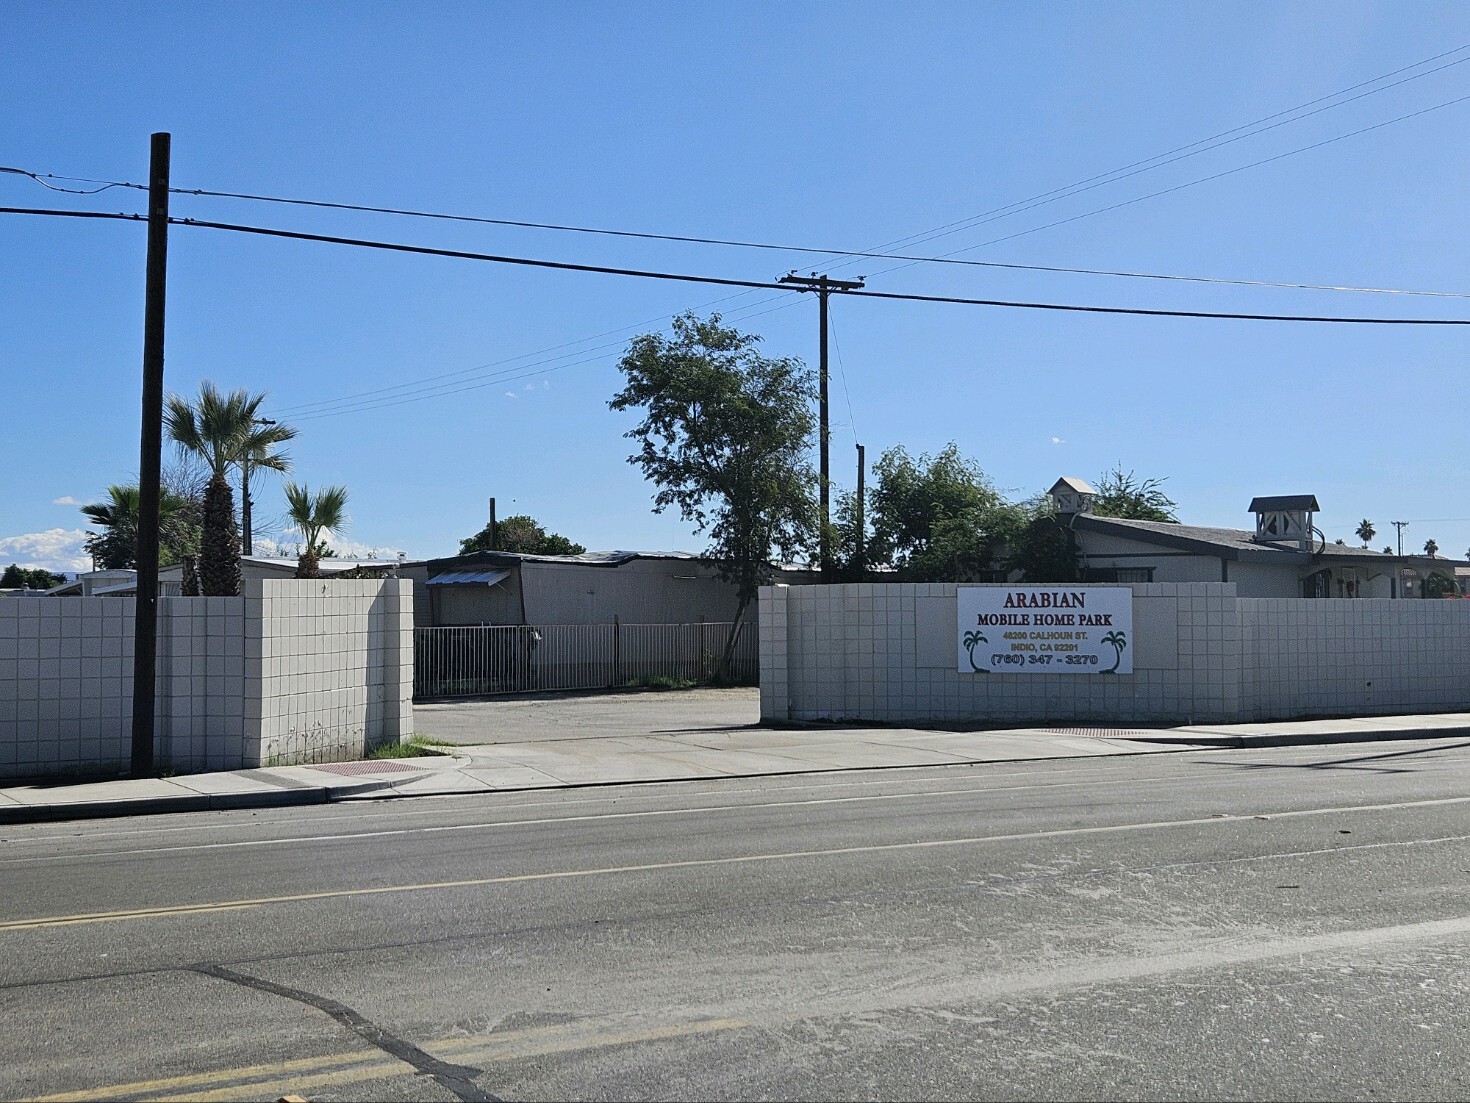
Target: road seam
[(458, 1079)]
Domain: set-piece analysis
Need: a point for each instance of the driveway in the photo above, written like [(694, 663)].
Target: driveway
[(542, 717)]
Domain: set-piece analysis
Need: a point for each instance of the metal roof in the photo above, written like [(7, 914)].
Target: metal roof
[(1285, 502), (469, 578), (1240, 544), (1077, 486)]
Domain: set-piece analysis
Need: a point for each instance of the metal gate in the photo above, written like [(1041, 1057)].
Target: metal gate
[(479, 659)]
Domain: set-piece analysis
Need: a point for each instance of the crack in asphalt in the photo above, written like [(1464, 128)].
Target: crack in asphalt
[(458, 1079)]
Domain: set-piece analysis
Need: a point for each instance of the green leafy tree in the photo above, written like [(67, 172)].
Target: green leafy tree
[(1365, 531), (938, 518), (522, 534), (315, 515), (220, 429), (1124, 495), (851, 544), (29, 578), (724, 437), (1437, 585), (1045, 550)]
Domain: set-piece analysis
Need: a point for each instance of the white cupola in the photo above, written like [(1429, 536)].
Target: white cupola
[(1072, 496), (1285, 517)]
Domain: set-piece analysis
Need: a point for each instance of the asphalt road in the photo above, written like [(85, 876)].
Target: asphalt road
[(1277, 924)]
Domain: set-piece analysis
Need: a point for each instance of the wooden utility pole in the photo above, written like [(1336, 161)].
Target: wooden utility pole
[(823, 286), (247, 537), (145, 624), (1400, 525), (861, 554)]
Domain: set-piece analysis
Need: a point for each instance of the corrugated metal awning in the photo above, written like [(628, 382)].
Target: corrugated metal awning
[(469, 578)]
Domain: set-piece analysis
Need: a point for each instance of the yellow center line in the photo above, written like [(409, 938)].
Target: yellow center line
[(315, 1073), (302, 1065), (695, 863)]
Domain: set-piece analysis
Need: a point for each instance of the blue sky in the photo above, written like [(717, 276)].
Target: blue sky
[(840, 126)]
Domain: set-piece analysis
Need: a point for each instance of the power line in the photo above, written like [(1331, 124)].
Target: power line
[(444, 378), (1234, 134), (723, 281), (720, 281), (842, 375), (859, 254), (1168, 157), (1113, 176), (1200, 180), (418, 392), (1203, 145), (44, 178)]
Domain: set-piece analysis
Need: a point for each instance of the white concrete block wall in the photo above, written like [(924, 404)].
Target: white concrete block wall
[(282, 671), (887, 652), (331, 687), (1353, 658), (201, 666), (65, 684)]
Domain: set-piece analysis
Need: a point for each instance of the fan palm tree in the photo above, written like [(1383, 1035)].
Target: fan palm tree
[(1366, 531), (116, 546), (315, 514), (221, 429)]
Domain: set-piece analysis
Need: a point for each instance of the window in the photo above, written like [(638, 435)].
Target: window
[(1118, 574)]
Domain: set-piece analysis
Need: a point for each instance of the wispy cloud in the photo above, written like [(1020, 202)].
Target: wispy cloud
[(67, 500), (1058, 440), (511, 394), (53, 550)]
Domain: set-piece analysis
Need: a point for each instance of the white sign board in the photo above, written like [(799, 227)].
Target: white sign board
[(1045, 629)]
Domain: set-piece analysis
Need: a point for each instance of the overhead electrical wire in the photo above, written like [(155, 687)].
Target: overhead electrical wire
[(1148, 164), (947, 258), (725, 281), (842, 372), (1206, 180), (390, 395), (418, 392), (865, 293), (1235, 134)]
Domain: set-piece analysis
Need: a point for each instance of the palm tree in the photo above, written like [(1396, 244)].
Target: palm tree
[(1119, 640), (315, 514), (116, 546), (221, 429), (1431, 547), (1366, 531)]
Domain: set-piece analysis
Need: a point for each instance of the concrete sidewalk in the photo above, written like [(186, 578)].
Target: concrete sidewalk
[(709, 753)]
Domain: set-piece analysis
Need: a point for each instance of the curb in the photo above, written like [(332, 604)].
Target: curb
[(327, 794), (193, 802), (1323, 740)]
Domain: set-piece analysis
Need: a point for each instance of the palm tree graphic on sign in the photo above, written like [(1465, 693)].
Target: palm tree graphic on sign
[(1119, 640), (970, 639)]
